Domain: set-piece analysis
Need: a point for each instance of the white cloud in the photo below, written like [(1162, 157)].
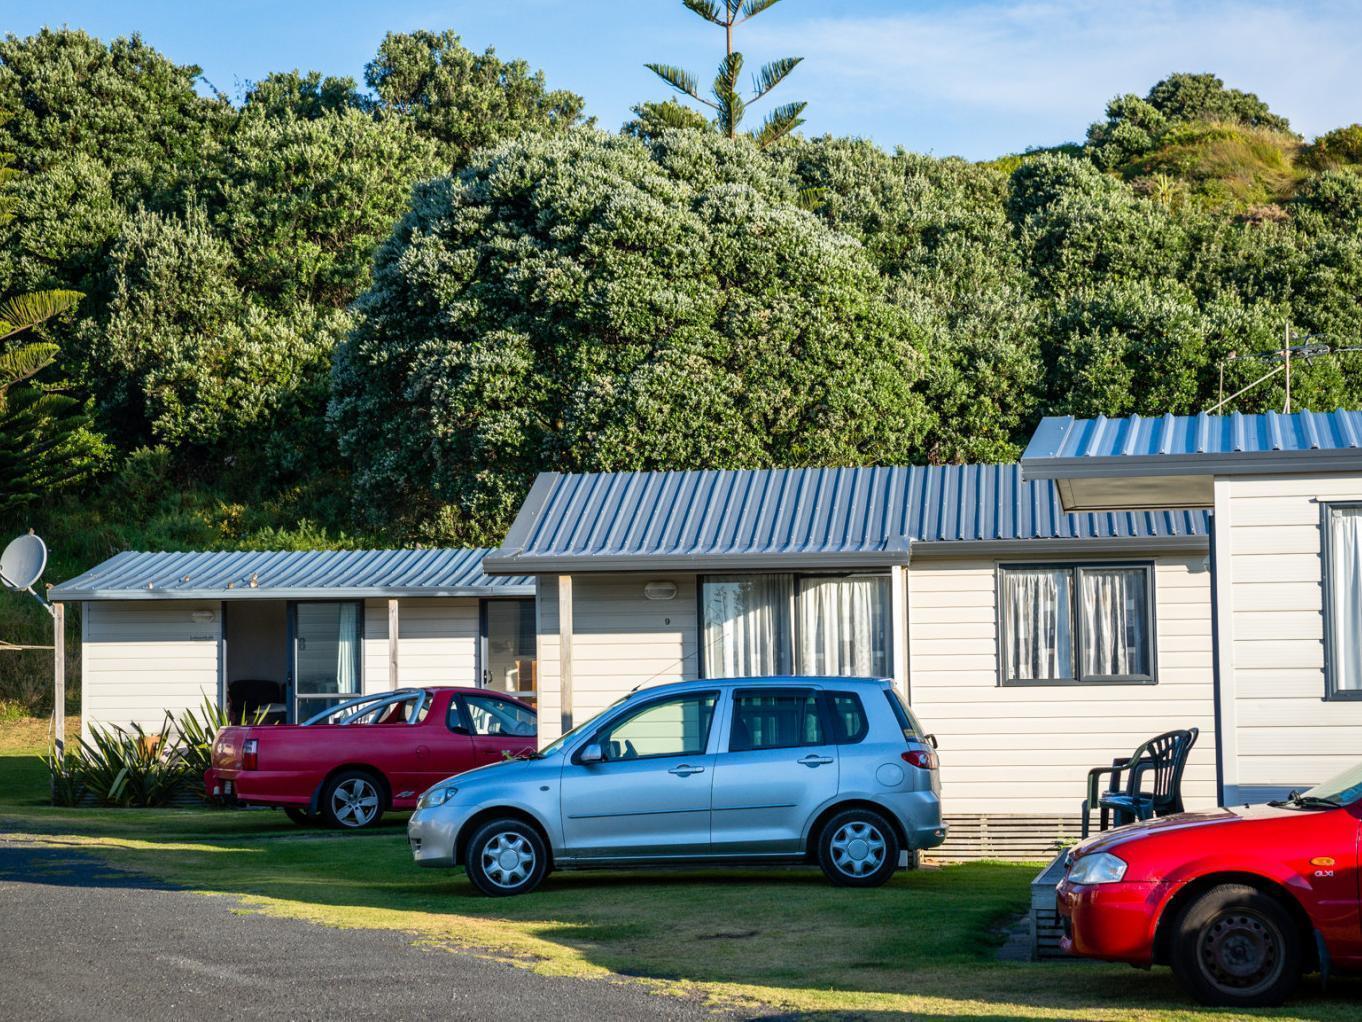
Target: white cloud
[(1053, 65)]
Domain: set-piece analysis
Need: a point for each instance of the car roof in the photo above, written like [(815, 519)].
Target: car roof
[(764, 681)]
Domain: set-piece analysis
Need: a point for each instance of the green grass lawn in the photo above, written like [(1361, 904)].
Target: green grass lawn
[(923, 946)]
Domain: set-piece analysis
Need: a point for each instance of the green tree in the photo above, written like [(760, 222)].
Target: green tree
[(303, 201), (310, 95), (46, 442), (728, 103), (591, 302), (461, 99), (650, 120)]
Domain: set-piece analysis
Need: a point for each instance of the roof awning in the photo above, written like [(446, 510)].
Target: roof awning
[(289, 575), (807, 519), (1172, 461)]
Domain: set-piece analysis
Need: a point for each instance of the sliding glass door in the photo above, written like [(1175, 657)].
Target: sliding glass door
[(508, 648), (327, 655)]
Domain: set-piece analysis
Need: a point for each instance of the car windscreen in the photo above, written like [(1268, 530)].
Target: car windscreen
[(1344, 788)]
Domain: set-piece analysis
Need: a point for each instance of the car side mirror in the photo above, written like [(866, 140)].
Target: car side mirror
[(591, 754), (459, 729)]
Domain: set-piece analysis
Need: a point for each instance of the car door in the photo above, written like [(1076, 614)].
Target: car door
[(498, 728), (778, 765), (649, 795)]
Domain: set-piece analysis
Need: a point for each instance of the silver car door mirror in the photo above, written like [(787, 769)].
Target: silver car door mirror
[(591, 754)]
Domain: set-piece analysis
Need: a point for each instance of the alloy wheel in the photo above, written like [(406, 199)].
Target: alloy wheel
[(858, 848), (354, 803), (507, 859)]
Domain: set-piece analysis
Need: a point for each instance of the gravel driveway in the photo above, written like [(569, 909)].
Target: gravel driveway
[(79, 940)]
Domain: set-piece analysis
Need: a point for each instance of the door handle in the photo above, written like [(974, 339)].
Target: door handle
[(812, 760), (685, 770)]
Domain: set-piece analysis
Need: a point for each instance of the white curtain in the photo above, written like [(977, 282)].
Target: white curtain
[(843, 627), (347, 649), (747, 625), (1115, 622), (1039, 622), (1345, 591)]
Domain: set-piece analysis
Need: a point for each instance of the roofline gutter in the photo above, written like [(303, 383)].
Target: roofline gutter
[(59, 594), (512, 564), (1096, 546), (1144, 465)]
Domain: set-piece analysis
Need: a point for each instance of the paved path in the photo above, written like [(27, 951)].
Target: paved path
[(79, 940)]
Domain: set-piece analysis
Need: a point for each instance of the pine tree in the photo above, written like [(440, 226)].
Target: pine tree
[(728, 103)]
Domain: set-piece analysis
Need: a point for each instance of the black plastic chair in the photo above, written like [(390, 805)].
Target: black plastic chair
[(1164, 756)]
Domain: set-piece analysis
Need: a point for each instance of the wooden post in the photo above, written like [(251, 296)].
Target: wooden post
[(898, 631), (565, 652), (392, 643), (59, 678)]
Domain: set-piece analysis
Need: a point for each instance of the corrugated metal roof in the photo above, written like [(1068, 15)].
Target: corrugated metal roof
[(803, 517), (1298, 439), (310, 574)]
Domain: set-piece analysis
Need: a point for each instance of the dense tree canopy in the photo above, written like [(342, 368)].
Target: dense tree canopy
[(385, 305), (591, 302)]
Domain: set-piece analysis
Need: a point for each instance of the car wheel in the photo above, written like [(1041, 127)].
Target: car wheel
[(352, 800), (506, 857), (858, 848), (302, 817), (1237, 947)]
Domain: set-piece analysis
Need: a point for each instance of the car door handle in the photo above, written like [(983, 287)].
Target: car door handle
[(685, 770), (812, 760)]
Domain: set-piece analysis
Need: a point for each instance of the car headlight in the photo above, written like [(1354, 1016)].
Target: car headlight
[(1102, 868), (436, 796)]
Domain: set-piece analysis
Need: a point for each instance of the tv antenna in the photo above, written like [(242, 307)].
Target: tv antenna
[(1307, 351)]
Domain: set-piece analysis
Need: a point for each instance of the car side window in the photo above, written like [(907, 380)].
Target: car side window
[(783, 719), (488, 715), (670, 727), (847, 715)]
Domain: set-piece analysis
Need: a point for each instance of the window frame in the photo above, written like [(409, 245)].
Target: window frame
[(1075, 569), (1331, 692), (793, 634), (629, 713), (784, 690), (292, 696)]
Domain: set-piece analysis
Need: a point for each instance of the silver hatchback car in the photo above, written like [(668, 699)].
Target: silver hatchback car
[(745, 770)]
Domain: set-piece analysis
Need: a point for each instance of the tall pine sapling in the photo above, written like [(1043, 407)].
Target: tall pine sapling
[(728, 103)]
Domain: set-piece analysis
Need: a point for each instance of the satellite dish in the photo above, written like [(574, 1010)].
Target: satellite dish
[(23, 562)]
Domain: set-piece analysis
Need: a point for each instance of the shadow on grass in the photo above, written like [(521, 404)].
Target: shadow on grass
[(923, 943)]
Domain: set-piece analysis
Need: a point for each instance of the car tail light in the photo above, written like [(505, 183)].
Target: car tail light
[(923, 759), (249, 754)]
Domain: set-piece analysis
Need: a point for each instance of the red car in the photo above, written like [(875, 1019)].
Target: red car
[(356, 760), (1240, 902)]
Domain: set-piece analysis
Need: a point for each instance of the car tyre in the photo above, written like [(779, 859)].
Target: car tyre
[(1237, 947), (506, 857), (302, 817), (352, 800), (858, 848)]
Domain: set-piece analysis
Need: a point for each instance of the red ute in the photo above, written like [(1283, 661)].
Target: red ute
[(1240, 902), (370, 754)]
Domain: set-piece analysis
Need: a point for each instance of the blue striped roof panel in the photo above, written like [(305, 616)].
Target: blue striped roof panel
[(315, 574)]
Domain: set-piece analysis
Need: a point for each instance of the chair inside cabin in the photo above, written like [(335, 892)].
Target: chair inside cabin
[(1160, 761)]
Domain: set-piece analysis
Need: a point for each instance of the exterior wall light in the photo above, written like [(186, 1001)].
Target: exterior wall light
[(660, 590)]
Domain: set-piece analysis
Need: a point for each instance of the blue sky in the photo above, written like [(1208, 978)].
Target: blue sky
[(970, 77)]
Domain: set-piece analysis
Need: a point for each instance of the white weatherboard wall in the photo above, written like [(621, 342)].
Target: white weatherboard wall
[(1028, 749), (620, 639), (1280, 731), (142, 658), (437, 642)]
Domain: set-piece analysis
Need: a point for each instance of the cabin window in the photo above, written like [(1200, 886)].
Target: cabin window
[(1076, 624), (1343, 600), (755, 625)]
